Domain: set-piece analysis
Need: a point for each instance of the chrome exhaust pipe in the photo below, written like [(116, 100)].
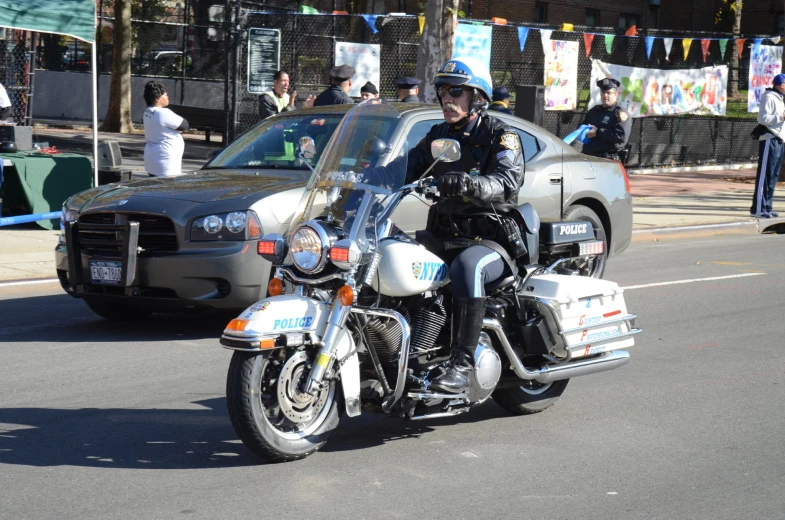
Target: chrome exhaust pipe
[(584, 367), (579, 367)]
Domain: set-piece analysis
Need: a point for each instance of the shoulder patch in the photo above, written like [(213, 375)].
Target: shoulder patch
[(623, 116), (510, 141)]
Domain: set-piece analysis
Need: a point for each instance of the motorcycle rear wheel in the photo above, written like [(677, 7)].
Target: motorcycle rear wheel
[(532, 397), (263, 425)]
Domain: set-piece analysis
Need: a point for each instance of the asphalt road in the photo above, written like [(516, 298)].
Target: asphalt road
[(100, 421)]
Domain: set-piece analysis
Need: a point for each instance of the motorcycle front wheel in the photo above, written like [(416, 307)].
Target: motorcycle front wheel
[(269, 412)]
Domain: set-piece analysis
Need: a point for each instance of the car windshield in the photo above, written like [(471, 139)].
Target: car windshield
[(348, 187), (273, 143)]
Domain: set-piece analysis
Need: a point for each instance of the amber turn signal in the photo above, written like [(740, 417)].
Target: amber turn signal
[(237, 325), (267, 344), (346, 295), (275, 287)]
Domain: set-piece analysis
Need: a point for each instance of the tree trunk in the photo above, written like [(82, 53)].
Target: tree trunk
[(733, 79), (118, 116), (436, 43)]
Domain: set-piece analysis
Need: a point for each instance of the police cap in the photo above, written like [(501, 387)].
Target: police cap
[(407, 82), (342, 71), (369, 87), (608, 83), (500, 94)]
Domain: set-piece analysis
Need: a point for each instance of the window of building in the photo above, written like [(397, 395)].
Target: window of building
[(780, 23), (540, 12), (592, 17), (628, 20)]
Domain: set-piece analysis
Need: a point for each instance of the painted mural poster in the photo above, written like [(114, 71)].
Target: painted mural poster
[(473, 41), (765, 63), (656, 92), (561, 75), (364, 57)]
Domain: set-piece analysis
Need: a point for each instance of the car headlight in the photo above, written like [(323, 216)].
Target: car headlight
[(307, 249), (236, 225)]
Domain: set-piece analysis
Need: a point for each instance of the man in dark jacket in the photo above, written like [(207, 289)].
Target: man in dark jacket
[(338, 92), (408, 90), (610, 124), (488, 175), (501, 101)]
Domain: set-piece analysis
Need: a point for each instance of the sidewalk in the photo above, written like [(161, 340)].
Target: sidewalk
[(669, 205)]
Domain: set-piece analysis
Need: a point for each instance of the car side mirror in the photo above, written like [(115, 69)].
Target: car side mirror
[(307, 147), (445, 150)]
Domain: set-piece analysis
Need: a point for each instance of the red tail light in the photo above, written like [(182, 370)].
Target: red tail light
[(626, 178)]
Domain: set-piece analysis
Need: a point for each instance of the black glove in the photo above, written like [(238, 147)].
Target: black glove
[(454, 184)]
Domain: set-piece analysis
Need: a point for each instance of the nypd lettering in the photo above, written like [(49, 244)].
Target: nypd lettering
[(429, 271), (293, 323), (574, 229)]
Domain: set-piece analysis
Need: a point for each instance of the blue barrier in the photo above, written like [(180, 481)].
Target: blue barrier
[(22, 219)]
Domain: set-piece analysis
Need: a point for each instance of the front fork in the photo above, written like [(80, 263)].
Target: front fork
[(335, 325)]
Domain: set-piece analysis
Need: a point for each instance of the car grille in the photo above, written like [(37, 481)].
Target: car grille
[(156, 233)]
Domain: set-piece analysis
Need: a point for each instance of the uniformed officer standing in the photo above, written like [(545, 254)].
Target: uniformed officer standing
[(408, 90), (610, 124), (338, 92)]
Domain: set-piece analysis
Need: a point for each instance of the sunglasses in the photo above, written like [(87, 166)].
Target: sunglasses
[(454, 92)]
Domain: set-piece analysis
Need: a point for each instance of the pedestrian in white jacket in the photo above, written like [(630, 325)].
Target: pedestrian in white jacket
[(771, 119)]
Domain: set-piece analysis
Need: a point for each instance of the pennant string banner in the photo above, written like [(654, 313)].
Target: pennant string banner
[(545, 34), (609, 43), (588, 38), (649, 41), (705, 49), (686, 43), (523, 33), (668, 45), (370, 19), (723, 45), (756, 44), (421, 22), (740, 46)]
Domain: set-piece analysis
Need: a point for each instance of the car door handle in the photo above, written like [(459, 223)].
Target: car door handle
[(555, 180)]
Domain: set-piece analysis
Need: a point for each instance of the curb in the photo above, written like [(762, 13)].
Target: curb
[(742, 227), (705, 168)]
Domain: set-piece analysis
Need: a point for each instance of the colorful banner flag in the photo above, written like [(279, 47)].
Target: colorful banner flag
[(651, 92), (561, 75), (705, 49), (649, 41), (632, 31), (567, 27), (609, 43), (421, 22), (668, 45), (765, 63), (723, 44), (740, 46), (370, 19), (587, 41), (686, 43), (756, 45), (523, 33), (545, 35)]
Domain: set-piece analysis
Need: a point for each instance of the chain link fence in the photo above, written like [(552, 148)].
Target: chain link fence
[(14, 70)]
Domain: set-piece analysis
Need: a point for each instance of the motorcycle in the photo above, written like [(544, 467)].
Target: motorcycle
[(358, 317)]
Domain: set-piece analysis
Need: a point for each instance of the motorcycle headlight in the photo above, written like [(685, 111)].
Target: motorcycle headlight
[(236, 225), (307, 247)]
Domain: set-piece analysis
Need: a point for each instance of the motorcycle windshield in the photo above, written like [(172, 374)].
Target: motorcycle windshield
[(356, 173)]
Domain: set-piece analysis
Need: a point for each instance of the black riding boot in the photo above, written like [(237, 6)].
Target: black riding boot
[(467, 315)]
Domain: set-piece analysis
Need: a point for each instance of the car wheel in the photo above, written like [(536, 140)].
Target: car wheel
[(596, 266), (116, 311)]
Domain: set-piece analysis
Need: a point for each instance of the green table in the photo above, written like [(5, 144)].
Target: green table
[(40, 183)]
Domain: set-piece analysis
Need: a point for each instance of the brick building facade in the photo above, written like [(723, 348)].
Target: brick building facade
[(764, 17)]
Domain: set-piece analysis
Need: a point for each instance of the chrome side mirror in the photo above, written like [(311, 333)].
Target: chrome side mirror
[(446, 150), (307, 147)]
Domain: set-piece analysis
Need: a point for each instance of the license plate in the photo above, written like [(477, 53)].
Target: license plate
[(106, 272)]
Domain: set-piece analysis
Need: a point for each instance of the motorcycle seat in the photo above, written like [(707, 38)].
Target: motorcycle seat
[(498, 285)]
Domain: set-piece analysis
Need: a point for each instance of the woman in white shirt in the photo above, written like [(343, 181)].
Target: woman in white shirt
[(163, 153)]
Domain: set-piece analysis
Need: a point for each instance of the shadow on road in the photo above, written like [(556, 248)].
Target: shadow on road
[(173, 439), (63, 319)]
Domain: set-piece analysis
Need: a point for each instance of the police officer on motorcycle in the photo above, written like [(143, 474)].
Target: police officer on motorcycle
[(464, 223)]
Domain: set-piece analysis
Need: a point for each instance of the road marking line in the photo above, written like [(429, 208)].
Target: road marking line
[(675, 282), (28, 282)]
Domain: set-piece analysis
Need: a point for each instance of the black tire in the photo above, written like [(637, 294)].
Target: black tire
[(532, 397), (117, 311), (244, 399), (579, 212)]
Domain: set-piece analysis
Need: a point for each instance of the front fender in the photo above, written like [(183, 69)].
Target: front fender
[(278, 316)]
